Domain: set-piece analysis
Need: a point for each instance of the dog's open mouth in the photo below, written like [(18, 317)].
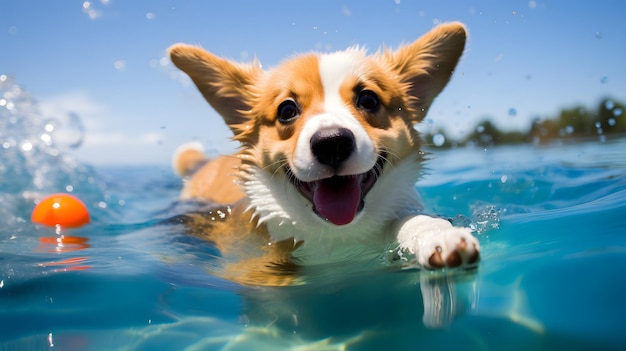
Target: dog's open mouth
[(338, 199)]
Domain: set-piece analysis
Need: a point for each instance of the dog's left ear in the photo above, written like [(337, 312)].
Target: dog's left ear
[(425, 66)]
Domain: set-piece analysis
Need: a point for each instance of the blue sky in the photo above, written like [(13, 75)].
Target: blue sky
[(105, 59)]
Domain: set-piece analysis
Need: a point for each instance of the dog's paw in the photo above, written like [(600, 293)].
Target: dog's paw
[(435, 243), (456, 247)]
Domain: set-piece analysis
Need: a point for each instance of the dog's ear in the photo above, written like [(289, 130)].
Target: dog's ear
[(226, 85), (425, 66)]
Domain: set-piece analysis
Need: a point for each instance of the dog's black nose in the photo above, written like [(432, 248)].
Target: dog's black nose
[(332, 146)]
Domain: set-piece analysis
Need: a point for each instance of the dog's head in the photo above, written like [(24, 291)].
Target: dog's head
[(326, 126)]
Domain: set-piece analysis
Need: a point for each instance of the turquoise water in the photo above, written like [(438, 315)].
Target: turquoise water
[(551, 221)]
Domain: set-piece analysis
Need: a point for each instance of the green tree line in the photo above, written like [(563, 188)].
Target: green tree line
[(608, 118)]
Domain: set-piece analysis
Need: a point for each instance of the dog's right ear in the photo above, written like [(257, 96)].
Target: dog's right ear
[(228, 86)]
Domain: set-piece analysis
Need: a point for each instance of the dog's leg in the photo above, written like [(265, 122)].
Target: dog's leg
[(435, 243)]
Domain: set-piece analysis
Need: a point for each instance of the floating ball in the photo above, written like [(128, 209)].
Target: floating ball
[(63, 210)]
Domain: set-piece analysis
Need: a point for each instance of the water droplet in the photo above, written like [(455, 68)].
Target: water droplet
[(604, 80), (46, 138), (150, 15), (598, 125), (609, 104), (91, 12), (569, 129), (598, 35), (70, 131), (512, 112), (119, 65), (50, 341), (617, 112), (480, 129), (612, 122), (439, 140), (503, 179)]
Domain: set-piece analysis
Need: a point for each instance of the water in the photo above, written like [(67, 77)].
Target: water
[(551, 221)]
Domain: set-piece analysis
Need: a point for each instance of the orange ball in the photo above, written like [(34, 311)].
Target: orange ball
[(64, 210)]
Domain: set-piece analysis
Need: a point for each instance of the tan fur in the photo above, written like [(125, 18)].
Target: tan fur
[(246, 96), (204, 184), (243, 244), (186, 161)]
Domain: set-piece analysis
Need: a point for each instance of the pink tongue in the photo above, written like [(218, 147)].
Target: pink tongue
[(337, 199)]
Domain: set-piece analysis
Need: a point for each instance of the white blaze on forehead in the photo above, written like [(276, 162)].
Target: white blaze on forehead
[(334, 69)]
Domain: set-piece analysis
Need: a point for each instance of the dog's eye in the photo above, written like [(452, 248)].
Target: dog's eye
[(368, 100), (287, 111)]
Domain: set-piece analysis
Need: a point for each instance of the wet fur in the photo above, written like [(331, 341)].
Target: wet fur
[(266, 211)]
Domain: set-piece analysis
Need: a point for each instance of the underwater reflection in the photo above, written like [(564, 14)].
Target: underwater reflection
[(441, 305), (63, 244), (366, 305)]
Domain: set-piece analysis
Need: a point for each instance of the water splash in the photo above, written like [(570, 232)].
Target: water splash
[(34, 159), (484, 218), (69, 132)]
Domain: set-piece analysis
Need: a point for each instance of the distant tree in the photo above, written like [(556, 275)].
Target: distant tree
[(487, 134), (579, 122), (575, 122)]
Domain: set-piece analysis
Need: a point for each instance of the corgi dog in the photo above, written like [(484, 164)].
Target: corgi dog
[(329, 158)]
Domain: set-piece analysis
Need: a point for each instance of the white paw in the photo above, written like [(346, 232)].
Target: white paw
[(435, 243)]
